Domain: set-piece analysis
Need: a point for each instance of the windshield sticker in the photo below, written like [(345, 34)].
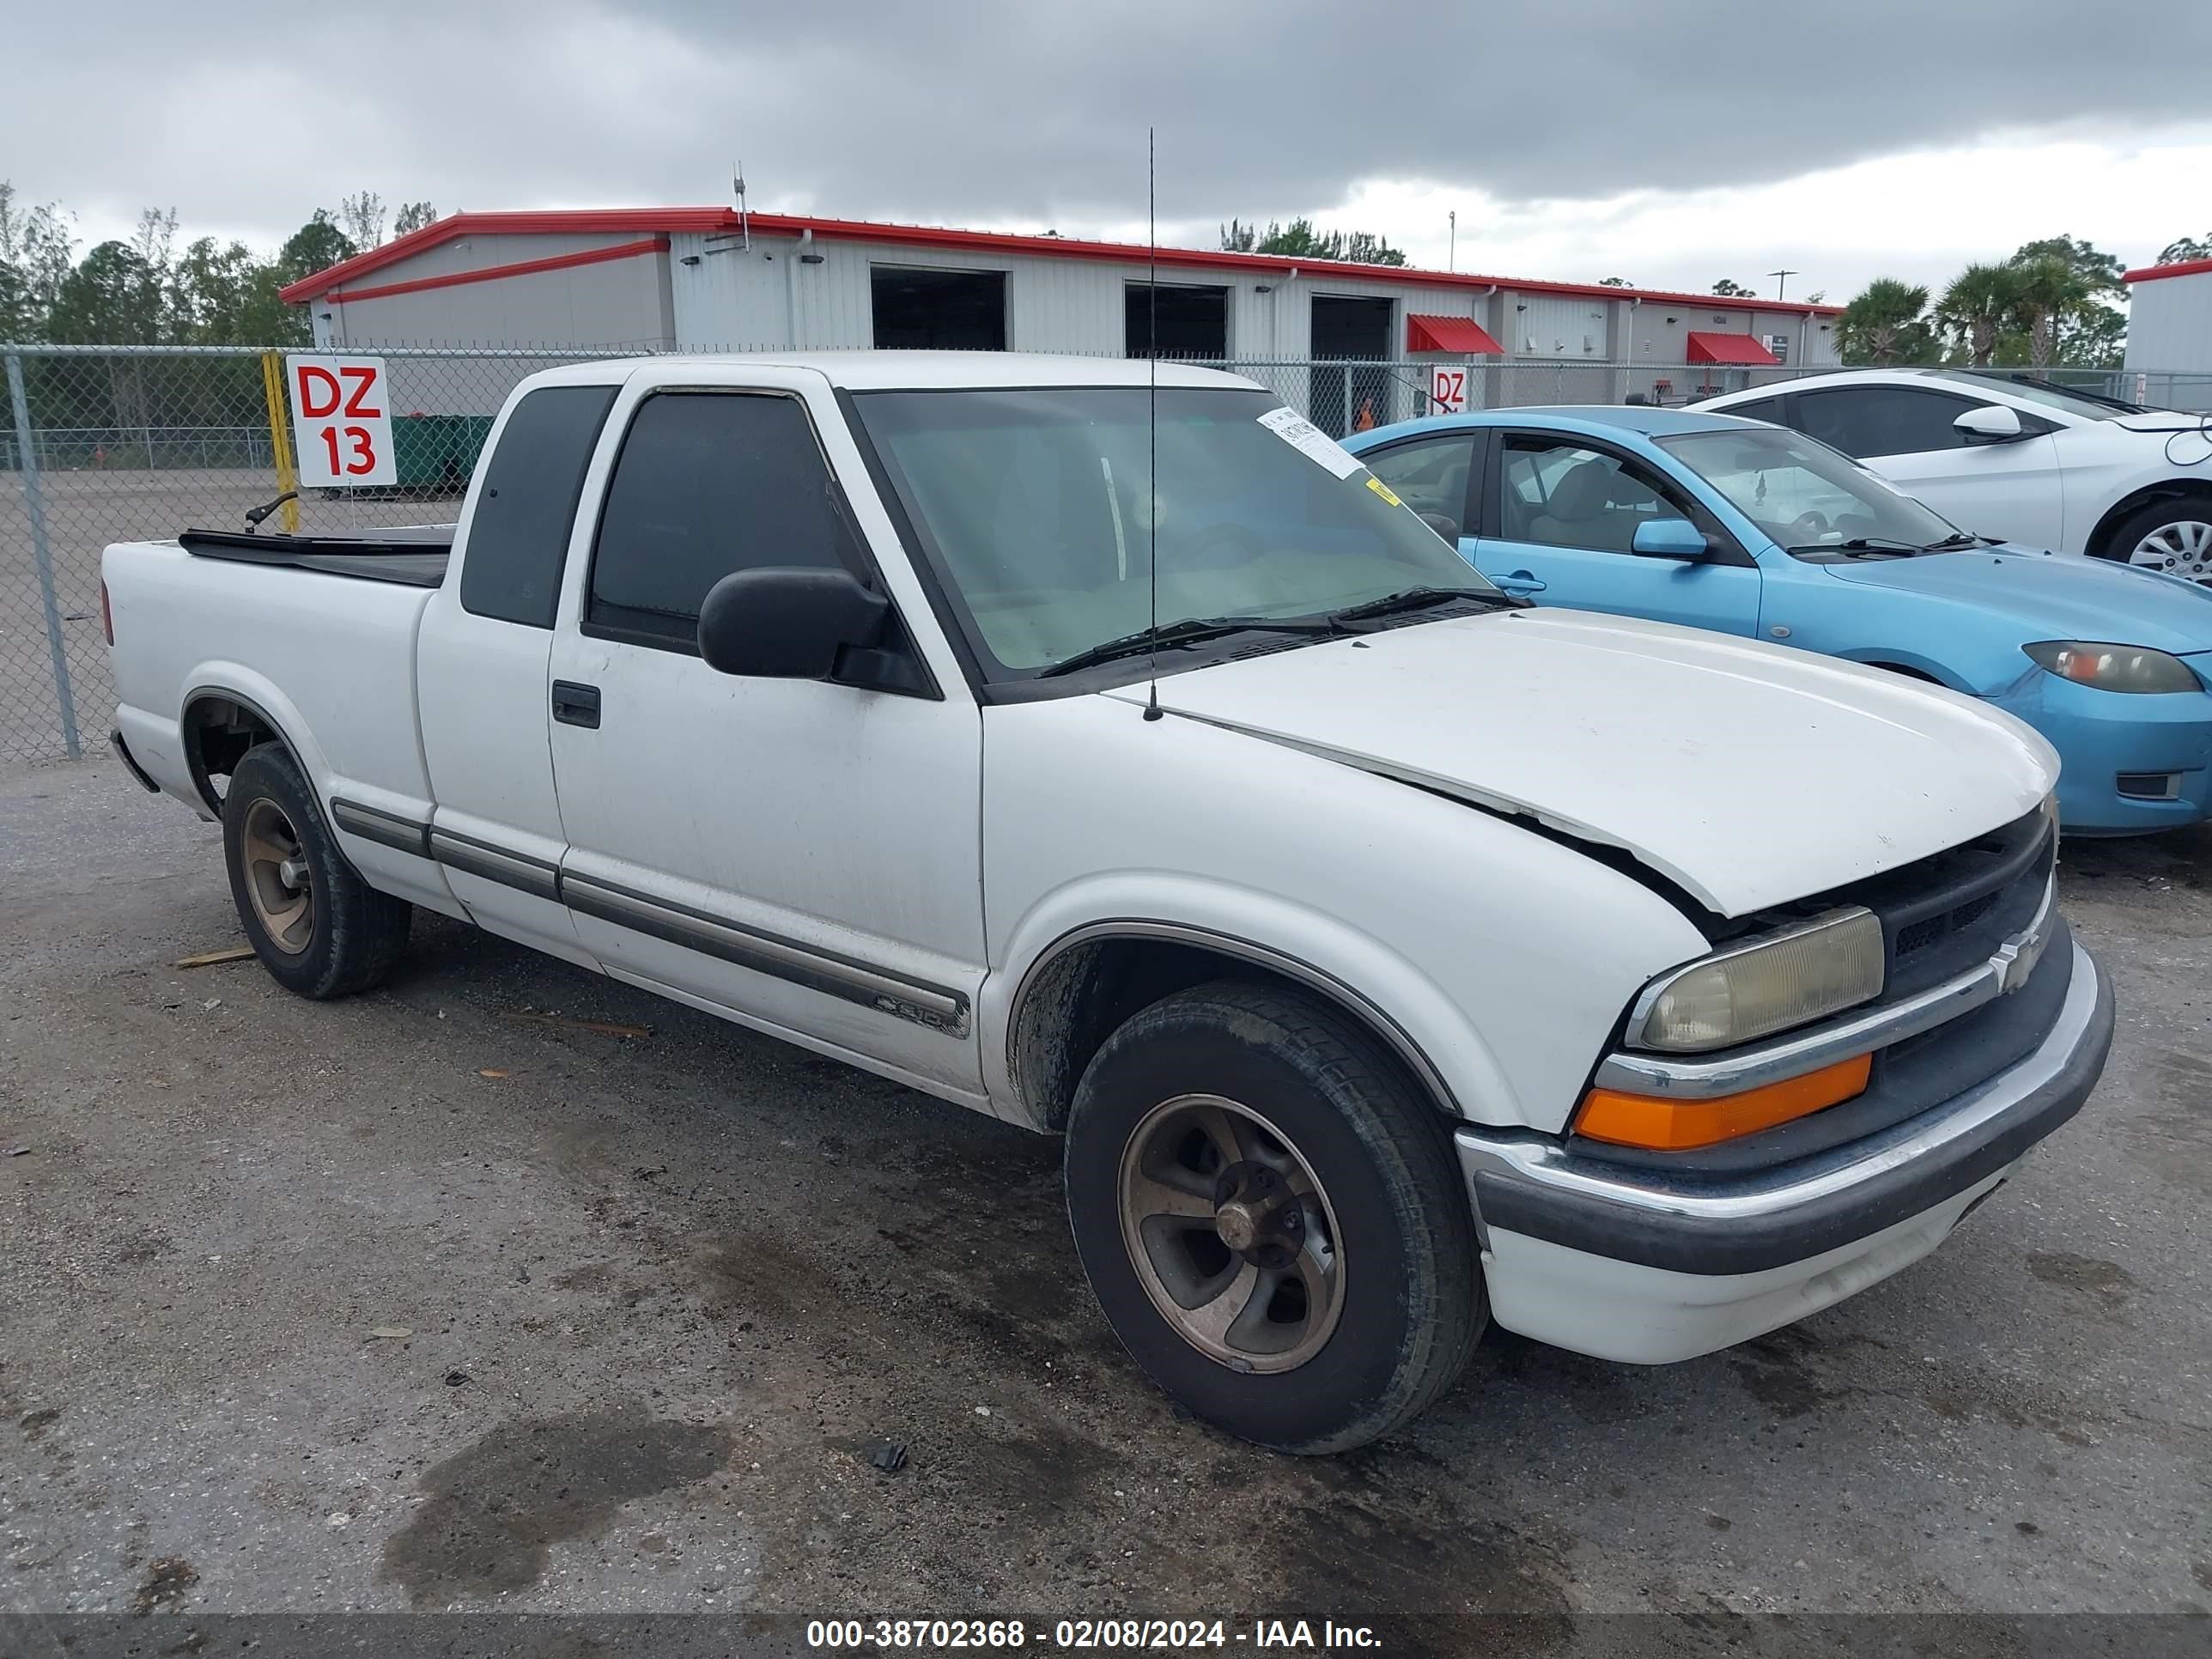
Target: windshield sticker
[(1384, 491), (1310, 440)]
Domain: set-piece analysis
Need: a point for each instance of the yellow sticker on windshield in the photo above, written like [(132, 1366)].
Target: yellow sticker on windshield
[(1383, 491)]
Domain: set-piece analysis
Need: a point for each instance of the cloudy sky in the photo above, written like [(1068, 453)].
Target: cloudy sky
[(1670, 143)]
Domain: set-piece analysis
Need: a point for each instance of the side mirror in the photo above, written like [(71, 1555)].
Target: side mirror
[(782, 623), (1444, 525), (1669, 538), (1992, 423)]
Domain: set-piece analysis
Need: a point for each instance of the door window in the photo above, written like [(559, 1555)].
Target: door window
[(1428, 475), (709, 482), (1881, 420), (1558, 493)]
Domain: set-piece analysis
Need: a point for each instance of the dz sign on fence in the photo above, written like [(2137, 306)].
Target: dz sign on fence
[(341, 421), (1447, 391)]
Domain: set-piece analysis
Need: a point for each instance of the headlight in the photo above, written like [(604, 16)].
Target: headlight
[(2115, 667), (1751, 991)]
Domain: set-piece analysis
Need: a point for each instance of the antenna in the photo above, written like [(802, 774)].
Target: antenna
[(1152, 411)]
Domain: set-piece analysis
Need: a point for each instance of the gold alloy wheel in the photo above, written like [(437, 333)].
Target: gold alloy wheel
[(1231, 1234), (276, 879)]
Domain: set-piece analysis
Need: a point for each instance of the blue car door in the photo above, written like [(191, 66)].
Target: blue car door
[(1557, 523)]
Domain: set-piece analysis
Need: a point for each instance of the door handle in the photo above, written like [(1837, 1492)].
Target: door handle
[(576, 705), (1521, 581)]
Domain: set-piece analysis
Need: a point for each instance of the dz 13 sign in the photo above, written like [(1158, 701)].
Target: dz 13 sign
[(341, 422)]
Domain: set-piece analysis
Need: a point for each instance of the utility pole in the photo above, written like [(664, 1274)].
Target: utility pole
[(1781, 280)]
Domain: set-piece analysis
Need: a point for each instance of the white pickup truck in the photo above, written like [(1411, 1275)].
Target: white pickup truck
[(1393, 957)]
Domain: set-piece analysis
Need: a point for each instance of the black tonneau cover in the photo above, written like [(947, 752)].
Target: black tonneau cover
[(416, 556)]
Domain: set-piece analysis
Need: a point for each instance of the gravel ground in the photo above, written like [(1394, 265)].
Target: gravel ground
[(402, 1302)]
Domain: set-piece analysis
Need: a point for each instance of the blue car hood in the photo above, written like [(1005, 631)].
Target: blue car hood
[(2054, 596)]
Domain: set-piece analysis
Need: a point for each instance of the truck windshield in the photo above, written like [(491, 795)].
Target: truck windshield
[(1813, 502), (1033, 504)]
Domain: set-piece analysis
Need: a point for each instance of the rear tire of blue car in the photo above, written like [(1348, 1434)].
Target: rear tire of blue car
[(1272, 1218)]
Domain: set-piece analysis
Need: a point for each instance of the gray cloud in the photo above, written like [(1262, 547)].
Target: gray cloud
[(1004, 112)]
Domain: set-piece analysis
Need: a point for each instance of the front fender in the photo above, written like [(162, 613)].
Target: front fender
[(1390, 994)]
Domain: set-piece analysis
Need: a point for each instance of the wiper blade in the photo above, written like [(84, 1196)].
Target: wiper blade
[(1860, 547), (1959, 539), (1419, 599), (1190, 631)]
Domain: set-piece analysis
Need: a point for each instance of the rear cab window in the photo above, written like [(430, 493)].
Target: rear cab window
[(518, 537)]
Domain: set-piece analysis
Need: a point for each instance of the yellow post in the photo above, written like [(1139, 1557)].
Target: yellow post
[(280, 437)]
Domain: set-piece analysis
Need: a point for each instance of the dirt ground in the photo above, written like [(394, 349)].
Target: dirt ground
[(403, 1303)]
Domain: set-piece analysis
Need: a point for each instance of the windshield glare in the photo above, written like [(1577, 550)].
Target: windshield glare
[(1805, 496), (1034, 508)]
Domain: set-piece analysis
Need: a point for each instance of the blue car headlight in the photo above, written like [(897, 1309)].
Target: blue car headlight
[(2115, 667)]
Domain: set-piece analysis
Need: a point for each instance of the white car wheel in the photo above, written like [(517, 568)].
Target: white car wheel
[(2180, 547)]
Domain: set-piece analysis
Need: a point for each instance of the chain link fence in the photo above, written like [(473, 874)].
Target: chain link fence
[(100, 445)]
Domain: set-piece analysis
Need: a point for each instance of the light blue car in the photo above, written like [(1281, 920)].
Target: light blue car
[(1750, 529)]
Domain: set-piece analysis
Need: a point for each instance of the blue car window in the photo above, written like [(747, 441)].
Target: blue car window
[(1428, 475), (1558, 493)]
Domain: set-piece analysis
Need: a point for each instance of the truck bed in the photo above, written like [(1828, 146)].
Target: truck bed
[(415, 556)]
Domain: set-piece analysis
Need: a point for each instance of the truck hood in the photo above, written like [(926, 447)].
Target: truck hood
[(2055, 597), (1748, 774)]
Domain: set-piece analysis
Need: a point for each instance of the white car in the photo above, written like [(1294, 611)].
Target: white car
[(2017, 458), (1392, 957)]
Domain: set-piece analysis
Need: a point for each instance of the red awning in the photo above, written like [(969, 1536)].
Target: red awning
[(1731, 348), (1460, 334)]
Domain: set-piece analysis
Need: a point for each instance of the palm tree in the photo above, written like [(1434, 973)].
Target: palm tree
[(1885, 323), (2050, 289), (1977, 304)]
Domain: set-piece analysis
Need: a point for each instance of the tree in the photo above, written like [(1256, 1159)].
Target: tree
[(1979, 302), (362, 216), (1729, 289), (114, 297), (2081, 325), (316, 246), (2051, 290), (210, 289), (1614, 281), (1299, 239), (2189, 247), (1885, 324), (37, 252), (414, 216)]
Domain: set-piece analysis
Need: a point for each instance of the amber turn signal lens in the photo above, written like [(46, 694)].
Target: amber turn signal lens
[(1680, 1126)]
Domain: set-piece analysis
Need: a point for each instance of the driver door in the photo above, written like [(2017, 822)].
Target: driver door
[(802, 855), (1559, 515)]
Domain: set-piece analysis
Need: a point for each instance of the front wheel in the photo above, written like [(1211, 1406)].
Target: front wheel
[(318, 928), (1271, 1218), (2175, 536)]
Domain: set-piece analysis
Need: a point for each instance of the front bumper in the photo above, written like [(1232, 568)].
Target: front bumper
[(2103, 736), (1649, 1267)]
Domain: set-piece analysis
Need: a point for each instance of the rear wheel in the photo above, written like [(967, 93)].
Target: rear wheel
[(2172, 536), (1271, 1218), (318, 928)]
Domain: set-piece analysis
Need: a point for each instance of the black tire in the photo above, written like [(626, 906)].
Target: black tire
[(353, 934), (2130, 532), (1411, 1303)]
